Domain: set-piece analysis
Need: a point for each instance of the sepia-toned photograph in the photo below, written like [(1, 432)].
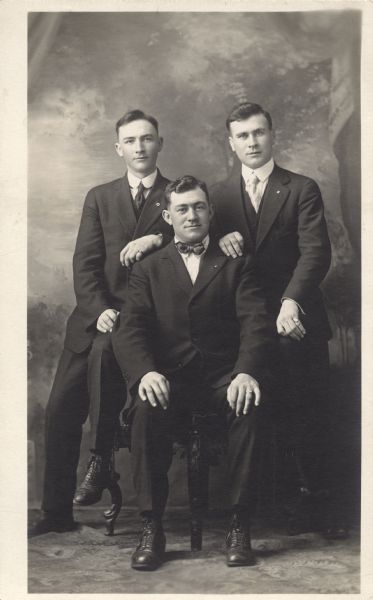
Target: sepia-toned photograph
[(194, 301)]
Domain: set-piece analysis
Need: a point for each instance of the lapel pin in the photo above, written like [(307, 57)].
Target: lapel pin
[(157, 203), (215, 267), (278, 191)]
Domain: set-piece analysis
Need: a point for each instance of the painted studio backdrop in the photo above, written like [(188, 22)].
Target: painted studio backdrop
[(188, 69)]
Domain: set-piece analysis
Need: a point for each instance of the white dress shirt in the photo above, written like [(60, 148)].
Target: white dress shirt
[(192, 261), (147, 182)]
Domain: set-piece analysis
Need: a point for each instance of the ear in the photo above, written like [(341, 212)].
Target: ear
[(231, 144), (160, 144), (118, 149), (211, 210), (166, 216)]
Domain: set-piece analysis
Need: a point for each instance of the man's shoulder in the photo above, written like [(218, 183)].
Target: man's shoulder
[(152, 260), (222, 187), (108, 187), (292, 177)]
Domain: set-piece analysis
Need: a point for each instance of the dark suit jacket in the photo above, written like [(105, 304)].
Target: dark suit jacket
[(168, 321), (108, 223), (292, 249)]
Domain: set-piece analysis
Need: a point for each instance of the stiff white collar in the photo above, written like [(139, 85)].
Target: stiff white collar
[(147, 181), (262, 173)]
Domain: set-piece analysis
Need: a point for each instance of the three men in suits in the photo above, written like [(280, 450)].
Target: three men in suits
[(121, 222), (277, 217), (194, 333)]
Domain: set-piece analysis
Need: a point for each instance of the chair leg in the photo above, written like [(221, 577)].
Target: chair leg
[(196, 534), (198, 476), (116, 504)]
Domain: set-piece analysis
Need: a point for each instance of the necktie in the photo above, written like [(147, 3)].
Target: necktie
[(139, 199), (253, 191), (188, 248)]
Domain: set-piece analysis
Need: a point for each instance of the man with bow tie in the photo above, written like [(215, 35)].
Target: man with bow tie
[(277, 217), (195, 333), (121, 222)]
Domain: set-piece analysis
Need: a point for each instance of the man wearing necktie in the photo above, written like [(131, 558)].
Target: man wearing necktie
[(195, 333), (121, 222), (277, 217)]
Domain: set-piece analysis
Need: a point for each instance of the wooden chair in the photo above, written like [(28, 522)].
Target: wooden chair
[(202, 442)]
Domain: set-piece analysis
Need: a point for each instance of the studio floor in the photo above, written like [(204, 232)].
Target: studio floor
[(86, 561)]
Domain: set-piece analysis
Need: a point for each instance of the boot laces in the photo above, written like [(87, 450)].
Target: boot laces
[(147, 537), (238, 534), (95, 467)]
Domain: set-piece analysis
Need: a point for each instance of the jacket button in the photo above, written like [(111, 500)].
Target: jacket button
[(194, 340), (179, 365)]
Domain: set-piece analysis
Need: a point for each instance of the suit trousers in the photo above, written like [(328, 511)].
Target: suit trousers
[(153, 431), (300, 406), (89, 382)]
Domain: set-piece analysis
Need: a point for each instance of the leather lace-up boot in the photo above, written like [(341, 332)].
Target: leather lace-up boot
[(239, 552), (95, 481), (148, 555)]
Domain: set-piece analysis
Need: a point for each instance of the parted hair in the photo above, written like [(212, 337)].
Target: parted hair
[(243, 111), (185, 184), (136, 115)]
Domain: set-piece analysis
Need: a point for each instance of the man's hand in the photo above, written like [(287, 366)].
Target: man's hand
[(107, 319), (154, 388), (288, 322), (242, 392), (137, 249), (232, 244)]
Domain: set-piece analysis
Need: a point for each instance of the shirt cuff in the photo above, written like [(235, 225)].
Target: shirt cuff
[(298, 305)]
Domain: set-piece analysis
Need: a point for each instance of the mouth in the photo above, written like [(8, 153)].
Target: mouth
[(141, 157), (257, 153), (192, 226)]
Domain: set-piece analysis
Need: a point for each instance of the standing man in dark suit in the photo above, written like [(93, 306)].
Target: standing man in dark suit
[(121, 222), (195, 331), (277, 217)]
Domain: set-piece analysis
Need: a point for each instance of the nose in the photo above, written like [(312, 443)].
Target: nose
[(252, 140), (139, 145), (192, 214)]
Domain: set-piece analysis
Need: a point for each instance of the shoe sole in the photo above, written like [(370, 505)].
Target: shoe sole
[(246, 563)]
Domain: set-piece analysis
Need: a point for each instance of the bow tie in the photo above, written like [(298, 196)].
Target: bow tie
[(188, 248)]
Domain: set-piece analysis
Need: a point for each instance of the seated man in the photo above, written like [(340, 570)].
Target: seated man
[(195, 332)]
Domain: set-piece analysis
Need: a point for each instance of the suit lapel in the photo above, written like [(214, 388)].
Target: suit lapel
[(177, 269), (125, 210), (212, 261), (275, 196), (152, 209)]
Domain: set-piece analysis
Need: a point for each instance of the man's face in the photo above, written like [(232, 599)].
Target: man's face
[(190, 214), (139, 145), (252, 141)]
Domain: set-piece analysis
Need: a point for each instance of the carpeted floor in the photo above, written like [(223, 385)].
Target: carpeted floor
[(86, 561)]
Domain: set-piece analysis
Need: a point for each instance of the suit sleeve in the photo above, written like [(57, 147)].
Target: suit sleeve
[(257, 336), (314, 246), (132, 339), (88, 263)]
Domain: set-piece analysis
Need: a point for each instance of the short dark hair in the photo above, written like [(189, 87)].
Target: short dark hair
[(135, 115), (245, 110), (185, 184)]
